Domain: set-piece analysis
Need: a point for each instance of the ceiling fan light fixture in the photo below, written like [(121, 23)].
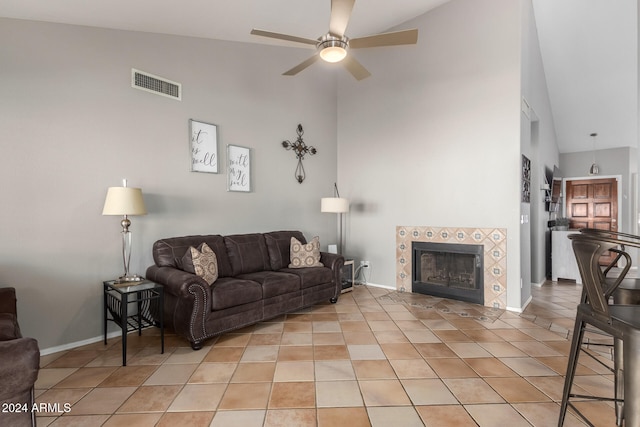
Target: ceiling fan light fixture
[(333, 54), (333, 49)]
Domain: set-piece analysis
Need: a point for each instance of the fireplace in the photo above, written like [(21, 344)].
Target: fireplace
[(448, 270), (494, 258)]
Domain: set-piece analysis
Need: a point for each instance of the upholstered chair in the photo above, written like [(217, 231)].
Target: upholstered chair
[(19, 365)]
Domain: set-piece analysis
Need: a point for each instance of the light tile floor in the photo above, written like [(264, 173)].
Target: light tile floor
[(376, 358)]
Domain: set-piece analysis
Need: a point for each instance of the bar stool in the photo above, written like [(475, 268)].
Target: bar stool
[(627, 292), (620, 321)]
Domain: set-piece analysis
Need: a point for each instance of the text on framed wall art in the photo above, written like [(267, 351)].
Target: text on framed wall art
[(204, 146), (239, 168)]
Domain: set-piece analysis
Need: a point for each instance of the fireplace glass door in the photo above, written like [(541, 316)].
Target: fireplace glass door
[(449, 270)]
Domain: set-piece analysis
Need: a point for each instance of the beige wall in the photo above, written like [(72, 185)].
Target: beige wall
[(71, 126), (433, 138), (538, 143)]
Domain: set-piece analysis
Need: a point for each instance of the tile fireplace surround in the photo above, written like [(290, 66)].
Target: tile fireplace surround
[(494, 241)]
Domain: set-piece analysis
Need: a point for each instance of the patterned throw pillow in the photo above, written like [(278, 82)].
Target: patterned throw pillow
[(205, 263), (308, 255)]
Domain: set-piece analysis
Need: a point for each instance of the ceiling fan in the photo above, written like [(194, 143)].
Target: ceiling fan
[(334, 45)]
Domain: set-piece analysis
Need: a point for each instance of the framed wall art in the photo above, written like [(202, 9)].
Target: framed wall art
[(526, 179), (204, 146), (239, 168)]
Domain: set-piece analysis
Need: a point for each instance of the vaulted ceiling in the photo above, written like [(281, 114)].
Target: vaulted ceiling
[(589, 47), (590, 55)]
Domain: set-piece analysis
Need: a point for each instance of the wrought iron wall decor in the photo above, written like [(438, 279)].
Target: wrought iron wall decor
[(301, 149)]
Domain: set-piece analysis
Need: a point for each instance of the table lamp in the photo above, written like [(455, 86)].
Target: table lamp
[(125, 201), (337, 205)]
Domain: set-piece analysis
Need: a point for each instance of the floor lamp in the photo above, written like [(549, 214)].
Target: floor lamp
[(337, 205), (125, 201)]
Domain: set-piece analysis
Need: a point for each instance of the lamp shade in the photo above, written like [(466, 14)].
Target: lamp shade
[(334, 205), (124, 201)]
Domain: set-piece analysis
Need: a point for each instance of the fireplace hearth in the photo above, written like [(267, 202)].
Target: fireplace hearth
[(448, 270)]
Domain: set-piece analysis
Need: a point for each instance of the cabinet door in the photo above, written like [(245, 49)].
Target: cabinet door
[(563, 261)]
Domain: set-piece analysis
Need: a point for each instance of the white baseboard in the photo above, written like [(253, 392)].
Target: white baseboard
[(375, 285), (77, 344), (524, 306)]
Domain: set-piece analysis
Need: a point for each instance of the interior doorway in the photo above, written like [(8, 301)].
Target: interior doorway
[(593, 203)]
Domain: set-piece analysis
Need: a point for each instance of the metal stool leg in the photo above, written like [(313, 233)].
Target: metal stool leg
[(576, 343), (631, 372), (618, 379)]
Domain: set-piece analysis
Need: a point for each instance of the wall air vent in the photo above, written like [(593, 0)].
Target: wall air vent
[(154, 84)]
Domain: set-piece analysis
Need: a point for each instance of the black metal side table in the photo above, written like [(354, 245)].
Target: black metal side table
[(148, 298), (347, 275)]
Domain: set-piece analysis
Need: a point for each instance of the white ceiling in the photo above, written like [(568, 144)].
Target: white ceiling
[(225, 20), (590, 55), (589, 47)]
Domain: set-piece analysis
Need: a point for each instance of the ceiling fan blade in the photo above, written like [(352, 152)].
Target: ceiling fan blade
[(340, 14), (287, 37), (385, 39), (355, 68), (295, 70)]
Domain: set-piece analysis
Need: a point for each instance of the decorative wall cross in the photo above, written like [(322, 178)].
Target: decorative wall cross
[(300, 148)]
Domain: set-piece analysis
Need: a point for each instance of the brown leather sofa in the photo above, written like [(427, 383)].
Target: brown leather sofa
[(19, 365), (254, 282)]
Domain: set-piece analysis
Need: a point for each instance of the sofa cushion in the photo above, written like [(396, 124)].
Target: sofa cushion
[(311, 276), (247, 253), (170, 251), (230, 292), (279, 247), (303, 256), (204, 263), (274, 283), (9, 329)]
